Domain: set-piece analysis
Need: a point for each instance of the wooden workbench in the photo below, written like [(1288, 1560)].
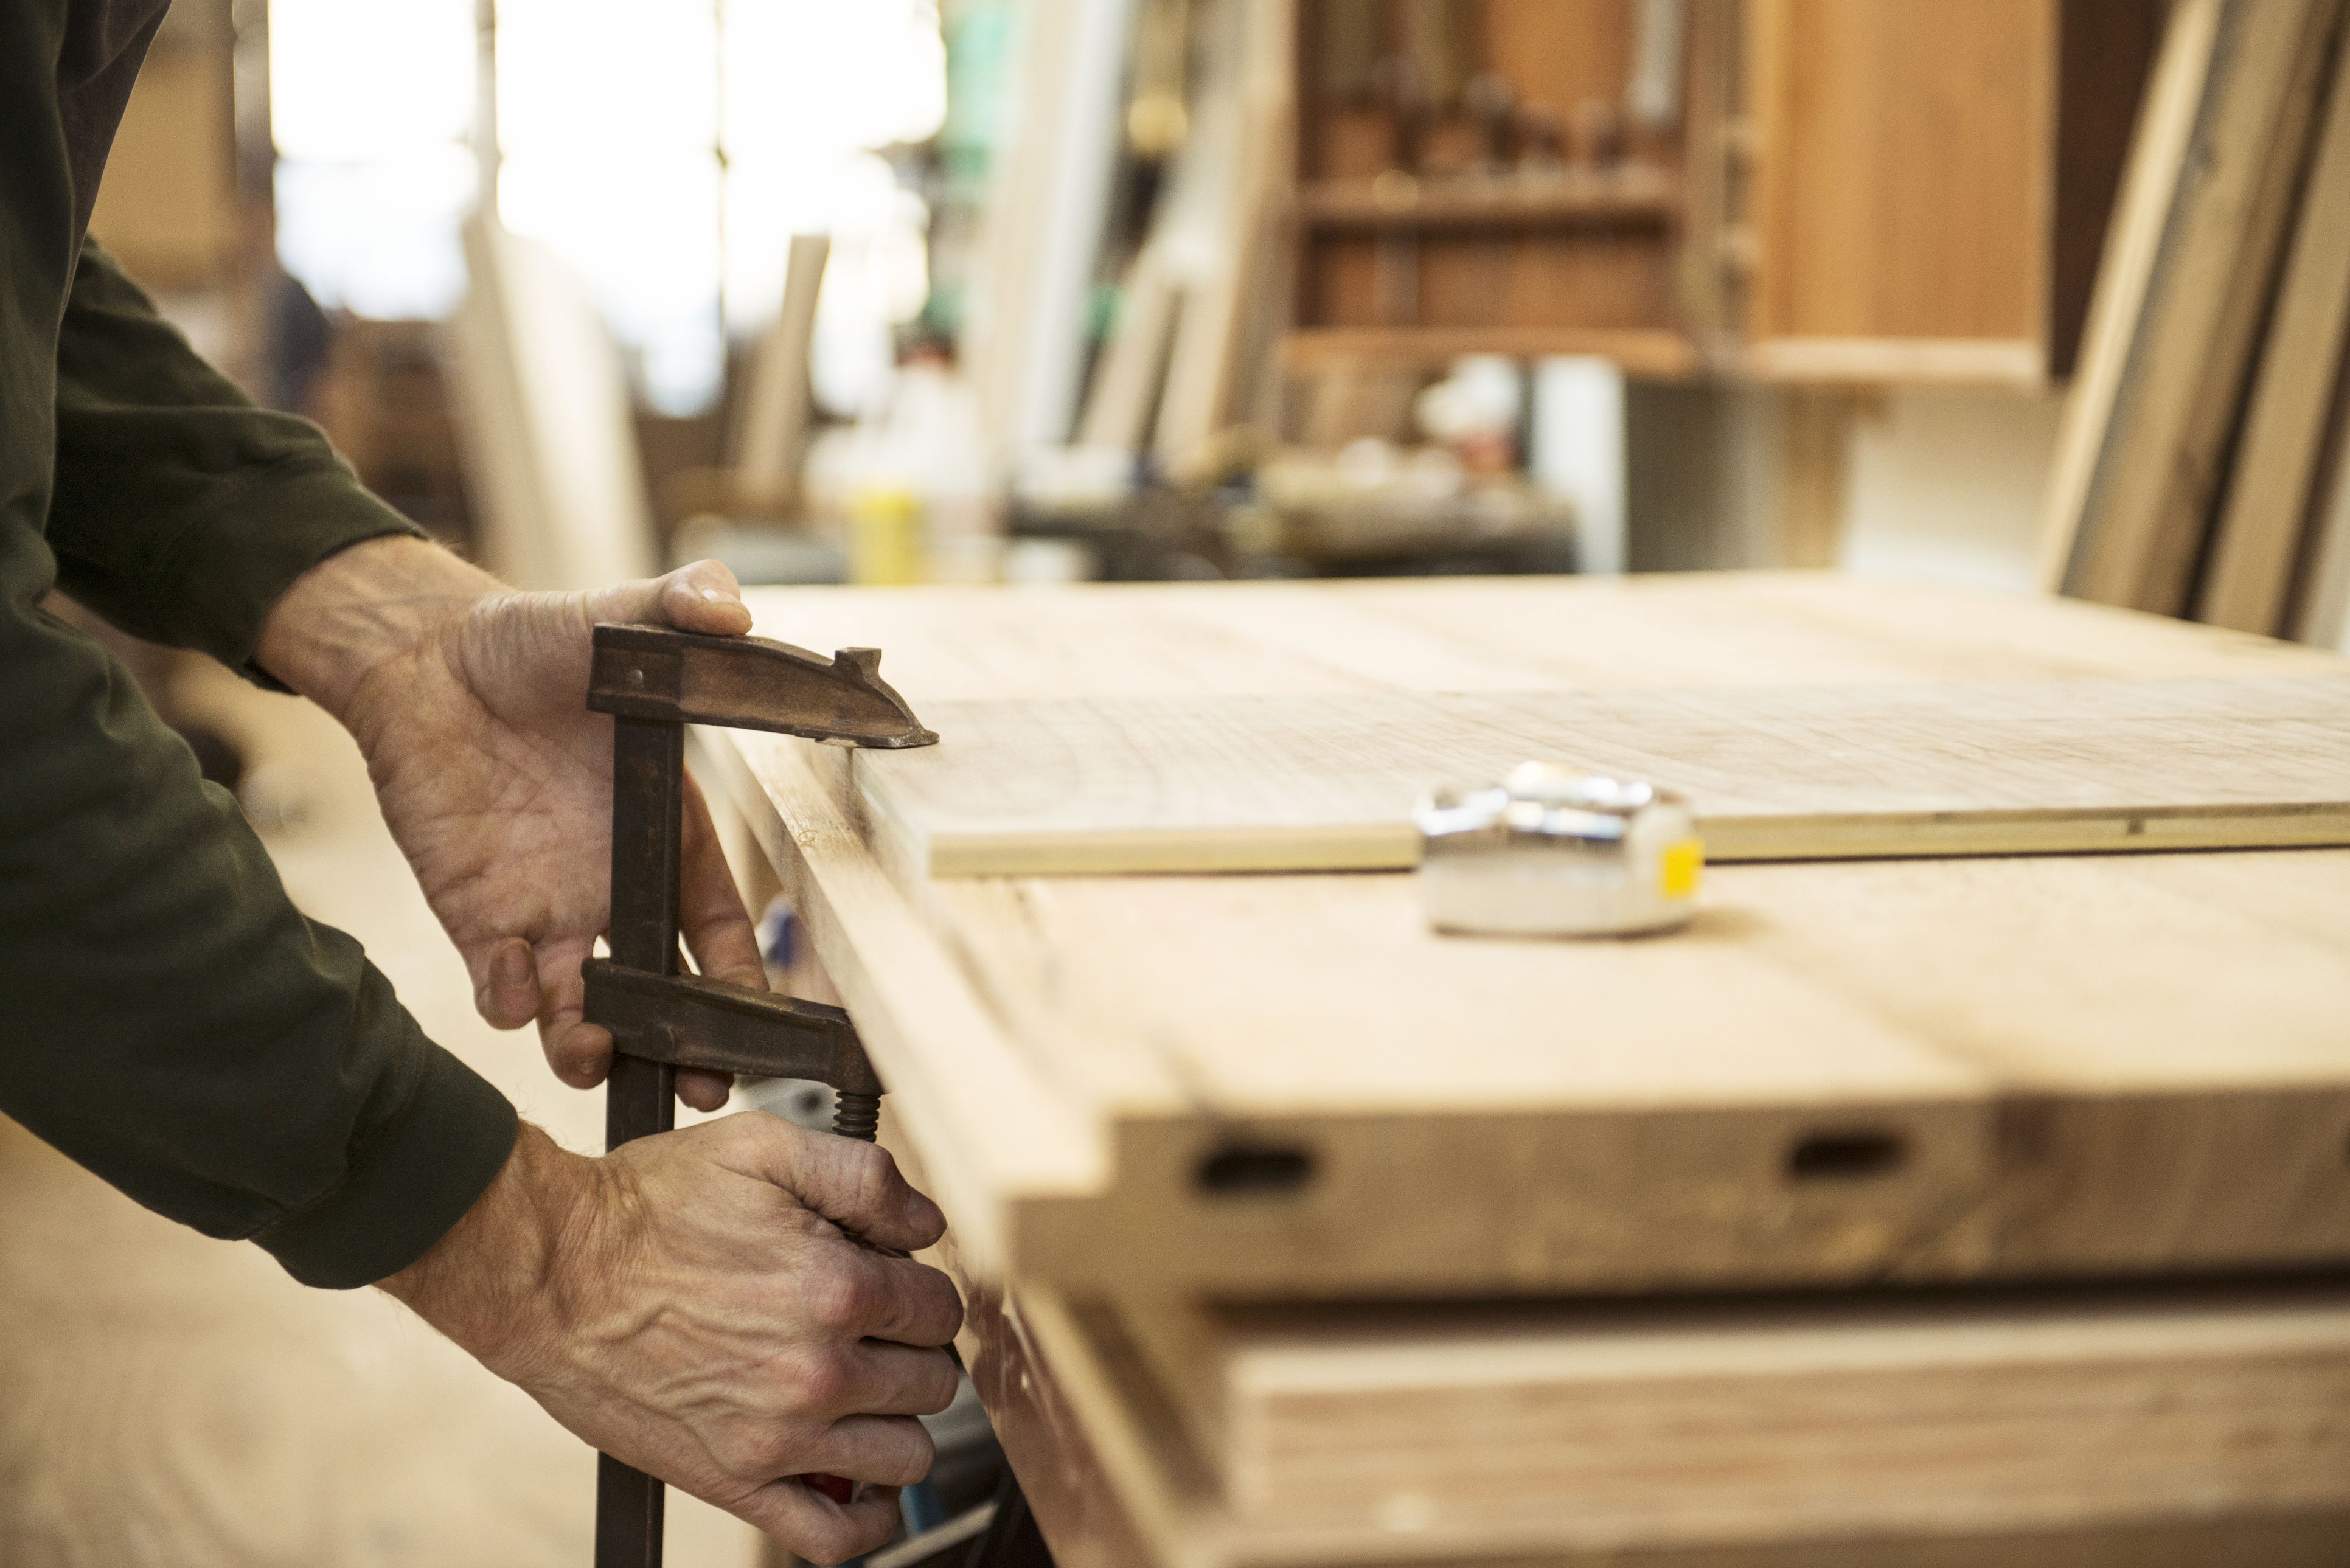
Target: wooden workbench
[(1139, 1092)]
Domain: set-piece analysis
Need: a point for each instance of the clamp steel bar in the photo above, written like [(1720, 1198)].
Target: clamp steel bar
[(647, 835)]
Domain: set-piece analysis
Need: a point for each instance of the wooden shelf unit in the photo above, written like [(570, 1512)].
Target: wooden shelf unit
[(1844, 192), (1459, 251)]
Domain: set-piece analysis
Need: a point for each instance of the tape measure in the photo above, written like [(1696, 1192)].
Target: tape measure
[(1551, 852)]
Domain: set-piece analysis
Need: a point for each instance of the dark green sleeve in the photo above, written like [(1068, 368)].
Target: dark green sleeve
[(167, 1017), (171, 1021), (180, 510)]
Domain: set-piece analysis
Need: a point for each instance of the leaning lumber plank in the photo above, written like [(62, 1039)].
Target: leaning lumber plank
[(2248, 580), (2322, 597), (2144, 512), (2158, 150)]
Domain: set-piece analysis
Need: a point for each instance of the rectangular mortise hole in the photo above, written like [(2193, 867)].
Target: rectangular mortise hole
[(1850, 1155)]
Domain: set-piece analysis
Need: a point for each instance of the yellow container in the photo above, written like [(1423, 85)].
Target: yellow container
[(885, 536)]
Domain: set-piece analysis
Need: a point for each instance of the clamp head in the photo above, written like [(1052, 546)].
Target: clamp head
[(749, 683)]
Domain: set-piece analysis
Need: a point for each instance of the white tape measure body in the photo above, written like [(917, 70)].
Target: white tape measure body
[(1550, 852)]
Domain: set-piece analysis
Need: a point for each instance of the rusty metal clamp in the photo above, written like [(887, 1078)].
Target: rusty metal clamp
[(654, 682)]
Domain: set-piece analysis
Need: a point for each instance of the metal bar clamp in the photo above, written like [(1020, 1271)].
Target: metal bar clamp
[(654, 682)]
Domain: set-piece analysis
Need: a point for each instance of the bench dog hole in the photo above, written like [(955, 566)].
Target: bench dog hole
[(1255, 1169), (1846, 1155)]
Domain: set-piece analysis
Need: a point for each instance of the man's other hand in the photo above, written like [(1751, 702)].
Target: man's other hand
[(469, 700), (694, 1304)]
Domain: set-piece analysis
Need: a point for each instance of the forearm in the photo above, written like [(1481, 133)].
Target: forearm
[(169, 1019), (349, 616)]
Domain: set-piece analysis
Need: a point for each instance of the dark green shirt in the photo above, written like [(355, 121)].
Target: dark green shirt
[(167, 1017)]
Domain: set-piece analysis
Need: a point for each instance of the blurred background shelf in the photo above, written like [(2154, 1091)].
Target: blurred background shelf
[(1652, 354), (1621, 197)]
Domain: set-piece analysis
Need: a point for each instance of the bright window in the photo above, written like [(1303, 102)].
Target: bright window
[(666, 148)]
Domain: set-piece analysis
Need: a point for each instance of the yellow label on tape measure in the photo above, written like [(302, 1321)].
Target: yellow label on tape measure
[(1683, 863)]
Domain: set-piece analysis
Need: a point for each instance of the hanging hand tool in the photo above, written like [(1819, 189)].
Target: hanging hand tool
[(654, 682), (1396, 262)]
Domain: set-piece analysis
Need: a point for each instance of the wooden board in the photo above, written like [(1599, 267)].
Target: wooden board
[(1646, 631), (1162, 750), (1089, 1431), (2134, 508), (2126, 275), (2250, 580), (1745, 1423), (1328, 782), (2321, 616), (1843, 1071)]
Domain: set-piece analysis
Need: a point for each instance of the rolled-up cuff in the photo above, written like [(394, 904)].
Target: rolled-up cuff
[(413, 1180)]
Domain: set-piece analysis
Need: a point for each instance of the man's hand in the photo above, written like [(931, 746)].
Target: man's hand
[(469, 700), (692, 1304)]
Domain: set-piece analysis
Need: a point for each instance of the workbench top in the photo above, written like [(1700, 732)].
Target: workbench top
[(1267, 1086)]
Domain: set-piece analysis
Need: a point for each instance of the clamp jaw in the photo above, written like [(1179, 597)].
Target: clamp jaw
[(652, 673), (654, 682)]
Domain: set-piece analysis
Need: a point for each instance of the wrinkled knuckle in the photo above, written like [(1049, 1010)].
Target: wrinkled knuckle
[(750, 1132), (840, 1298), (818, 1382), (749, 1453)]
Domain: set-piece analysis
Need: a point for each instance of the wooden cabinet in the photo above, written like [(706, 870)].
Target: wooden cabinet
[(1799, 190), (1469, 178)]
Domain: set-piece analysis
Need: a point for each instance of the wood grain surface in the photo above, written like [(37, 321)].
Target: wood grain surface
[(1328, 782), (1912, 1069), (1905, 170), (1783, 1451), (1113, 731), (1765, 1422)]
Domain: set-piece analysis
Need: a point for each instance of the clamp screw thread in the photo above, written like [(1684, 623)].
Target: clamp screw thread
[(857, 1115)]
